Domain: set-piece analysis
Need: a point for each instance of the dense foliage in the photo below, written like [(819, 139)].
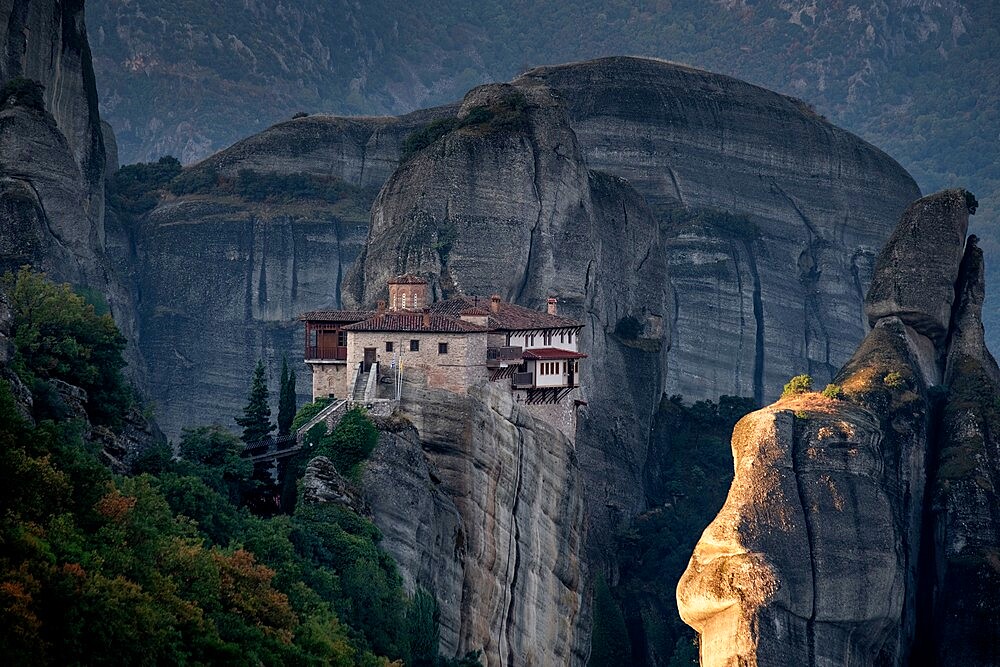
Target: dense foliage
[(654, 548), (349, 443), (133, 189), (509, 113), (165, 567), (59, 336)]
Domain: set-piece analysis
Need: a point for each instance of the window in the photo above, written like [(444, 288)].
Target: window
[(404, 300), (388, 346), (342, 339), (570, 340), (561, 337), (415, 345), (442, 348), (547, 338)]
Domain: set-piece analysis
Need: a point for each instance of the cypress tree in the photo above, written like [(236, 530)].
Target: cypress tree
[(286, 399), (256, 419)]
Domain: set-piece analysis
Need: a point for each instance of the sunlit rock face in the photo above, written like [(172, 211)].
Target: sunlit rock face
[(825, 552)]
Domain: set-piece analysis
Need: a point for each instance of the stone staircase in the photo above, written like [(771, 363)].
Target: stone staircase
[(358, 393)]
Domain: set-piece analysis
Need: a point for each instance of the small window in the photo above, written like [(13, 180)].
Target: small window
[(342, 339), (570, 340), (442, 348), (562, 337), (415, 345), (388, 346)]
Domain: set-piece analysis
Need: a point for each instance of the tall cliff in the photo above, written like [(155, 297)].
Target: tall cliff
[(855, 520), (480, 502), (714, 236), (53, 161), (221, 274)]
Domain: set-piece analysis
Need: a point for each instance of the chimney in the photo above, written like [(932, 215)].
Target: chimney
[(427, 317), (381, 307), (553, 310), (495, 304)]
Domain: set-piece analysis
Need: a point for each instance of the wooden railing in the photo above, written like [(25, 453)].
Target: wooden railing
[(327, 352)]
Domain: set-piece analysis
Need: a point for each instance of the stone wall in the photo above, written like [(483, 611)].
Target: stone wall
[(463, 366), (330, 379)]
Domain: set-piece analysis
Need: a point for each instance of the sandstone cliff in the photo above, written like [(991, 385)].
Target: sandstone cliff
[(826, 551)]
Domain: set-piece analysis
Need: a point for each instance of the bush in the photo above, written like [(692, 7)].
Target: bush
[(299, 114), (833, 391), (58, 335), (894, 380), (195, 181), (420, 139), (22, 92), (799, 384), (351, 441), (133, 188)]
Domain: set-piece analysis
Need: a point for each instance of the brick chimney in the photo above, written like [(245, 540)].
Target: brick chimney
[(553, 309), (381, 307), (495, 304), (427, 317)]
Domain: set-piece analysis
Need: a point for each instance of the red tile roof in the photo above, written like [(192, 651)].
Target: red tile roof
[(547, 353), (343, 316), (510, 317), (407, 279), (414, 322)]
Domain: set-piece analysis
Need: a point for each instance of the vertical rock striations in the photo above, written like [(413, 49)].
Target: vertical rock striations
[(826, 551), (481, 504), (52, 158)]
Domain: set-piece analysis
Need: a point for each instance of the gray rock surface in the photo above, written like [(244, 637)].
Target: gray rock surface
[(482, 504), (535, 203), (363, 151), (321, 483), (53, 163), (916, 270), (826, 551), (221, 284)]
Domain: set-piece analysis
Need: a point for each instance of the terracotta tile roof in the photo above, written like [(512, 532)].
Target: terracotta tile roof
[(343, 316), (511, 317), (410, 321), (547, 353), (478, 311), (407, 279)]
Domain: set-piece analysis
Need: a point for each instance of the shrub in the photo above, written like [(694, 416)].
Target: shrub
[(799, 384), (58, 335), (299, 114), (195, 181), (133, 188), (420, 139), (894, 380), (833, 391), (351, 441)]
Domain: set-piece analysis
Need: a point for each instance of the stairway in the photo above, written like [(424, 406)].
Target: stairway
[(358, 393)]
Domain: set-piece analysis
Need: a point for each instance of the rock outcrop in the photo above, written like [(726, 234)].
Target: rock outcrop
[(480, 503), (826, 551), (599, 183), (52, 158)]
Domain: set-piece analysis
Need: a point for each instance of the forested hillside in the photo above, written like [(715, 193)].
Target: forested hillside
[(916, 79)]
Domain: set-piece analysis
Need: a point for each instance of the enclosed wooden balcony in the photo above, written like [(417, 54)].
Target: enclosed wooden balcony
[(326, 353), (503, 356)]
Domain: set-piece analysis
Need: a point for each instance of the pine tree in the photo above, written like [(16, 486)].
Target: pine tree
[(286, 399), (256, 419)]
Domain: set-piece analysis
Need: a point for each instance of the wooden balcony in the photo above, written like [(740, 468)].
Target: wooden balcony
[(523, 380), (326, 353), (503, 356)]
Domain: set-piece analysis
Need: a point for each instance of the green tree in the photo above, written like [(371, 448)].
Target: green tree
[(286, 399), (350, 442), (59, 336), (256, 419)]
